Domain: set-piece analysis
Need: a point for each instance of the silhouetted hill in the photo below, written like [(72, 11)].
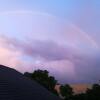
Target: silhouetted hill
[(14, 86)]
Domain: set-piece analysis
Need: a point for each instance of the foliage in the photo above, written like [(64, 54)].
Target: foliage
[(66, 91), (94, 93), (91, 94), (42, 77), (49, 82)]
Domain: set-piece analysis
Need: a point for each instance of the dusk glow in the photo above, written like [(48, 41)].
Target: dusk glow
[(62, 36)]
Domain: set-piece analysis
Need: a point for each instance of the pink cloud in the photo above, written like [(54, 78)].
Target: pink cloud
[(66, 63)]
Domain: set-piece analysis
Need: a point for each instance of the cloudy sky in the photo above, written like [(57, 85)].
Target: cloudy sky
[(62, 36)]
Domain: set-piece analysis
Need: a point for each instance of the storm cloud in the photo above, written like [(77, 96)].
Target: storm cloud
[(60, 36), (69, 64)]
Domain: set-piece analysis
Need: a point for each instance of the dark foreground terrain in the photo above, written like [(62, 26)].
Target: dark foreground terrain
[(14, 86)]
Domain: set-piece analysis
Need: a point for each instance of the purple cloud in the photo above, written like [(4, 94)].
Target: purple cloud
[(68, 64), (47, 50)]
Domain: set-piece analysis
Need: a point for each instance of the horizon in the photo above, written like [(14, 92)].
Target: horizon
[(59, 36)]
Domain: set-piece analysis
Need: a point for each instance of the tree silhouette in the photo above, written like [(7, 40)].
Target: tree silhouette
[(81, 96), (43, 78), (94, 93), (66, 91)]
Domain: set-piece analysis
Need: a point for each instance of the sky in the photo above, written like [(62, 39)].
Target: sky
[(61, 36)]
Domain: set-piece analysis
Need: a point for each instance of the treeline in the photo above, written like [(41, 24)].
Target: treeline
[(66, 91)]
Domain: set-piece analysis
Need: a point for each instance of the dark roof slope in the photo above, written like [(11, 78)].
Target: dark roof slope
[(14, 86)]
